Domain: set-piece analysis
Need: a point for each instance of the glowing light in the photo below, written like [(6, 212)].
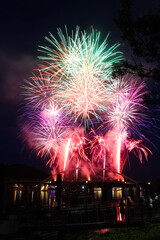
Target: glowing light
[(104, 163), (67, 152), (76, 115), (118, 153), (79, 69), (123, 122)]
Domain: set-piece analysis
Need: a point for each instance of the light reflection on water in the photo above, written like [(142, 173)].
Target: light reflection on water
[(47, 198), (102, 230), (44, 198), (32, 198), (17, 196)]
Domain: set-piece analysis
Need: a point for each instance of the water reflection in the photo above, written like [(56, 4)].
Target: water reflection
[(17, 196), (35, 197), (47, 198), (32, 198), (44, 195), (44, 198)]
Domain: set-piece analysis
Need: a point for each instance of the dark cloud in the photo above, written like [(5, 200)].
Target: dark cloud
[(14, 69)]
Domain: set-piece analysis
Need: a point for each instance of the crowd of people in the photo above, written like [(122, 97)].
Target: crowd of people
[(144, 207)]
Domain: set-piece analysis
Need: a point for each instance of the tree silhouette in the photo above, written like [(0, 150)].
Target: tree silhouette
[(143, 36)]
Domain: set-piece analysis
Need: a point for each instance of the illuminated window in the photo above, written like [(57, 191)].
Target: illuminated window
[(116, 192)]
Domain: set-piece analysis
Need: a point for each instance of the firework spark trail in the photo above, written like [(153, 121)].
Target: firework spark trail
[(75, 151), (79, 53), (118, 155), (104, 163), (66, 153), (74, 92), (77, 166), (121, 125), (39, 91), (81, 67), (141, 149), (98, 144), (48, 133), (125, 117), (77, 143)]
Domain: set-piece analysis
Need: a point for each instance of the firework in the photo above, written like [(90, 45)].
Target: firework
[(123, 123), (46, 132), (74, 93), (80, 67)]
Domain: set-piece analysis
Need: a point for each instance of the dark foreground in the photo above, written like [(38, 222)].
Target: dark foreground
[(98, 223), (147, 232)]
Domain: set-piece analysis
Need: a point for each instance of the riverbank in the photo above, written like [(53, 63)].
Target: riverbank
[(148, 232)]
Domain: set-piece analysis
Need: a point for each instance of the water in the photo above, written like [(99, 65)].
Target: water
[(47, 198)]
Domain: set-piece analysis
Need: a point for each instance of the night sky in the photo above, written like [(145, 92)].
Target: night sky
[(23, 26)]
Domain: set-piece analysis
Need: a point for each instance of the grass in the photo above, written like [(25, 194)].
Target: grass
[(150, 232)]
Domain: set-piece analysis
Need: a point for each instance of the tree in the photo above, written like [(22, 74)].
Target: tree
[(143, 36)]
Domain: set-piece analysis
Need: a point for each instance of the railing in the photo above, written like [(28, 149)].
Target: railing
[(108, 215)]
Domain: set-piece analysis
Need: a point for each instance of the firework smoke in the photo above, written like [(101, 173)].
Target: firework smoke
[(73, 94)]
